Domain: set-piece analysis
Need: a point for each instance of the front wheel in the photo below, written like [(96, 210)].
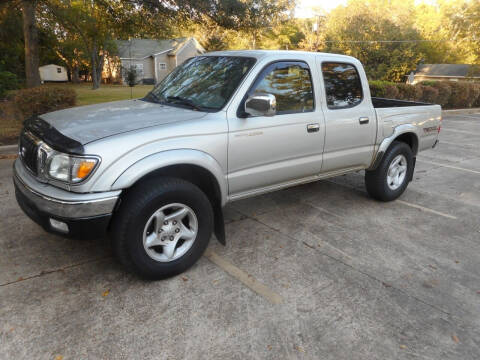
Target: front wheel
[(390, 179), (162, 228)]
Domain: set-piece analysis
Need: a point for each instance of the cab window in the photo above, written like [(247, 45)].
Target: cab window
[(343, 87)]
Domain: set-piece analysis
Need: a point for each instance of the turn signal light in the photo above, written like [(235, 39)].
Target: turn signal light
[(85, 168)]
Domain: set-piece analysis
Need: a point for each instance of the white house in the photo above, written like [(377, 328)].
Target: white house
[(53, 72), (154, 59)]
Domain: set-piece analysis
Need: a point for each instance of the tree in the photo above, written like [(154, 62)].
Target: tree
[(30, 33), (261, 15), (12, 45), (131, 76), (92, 26), (466, 24), (380, 39)]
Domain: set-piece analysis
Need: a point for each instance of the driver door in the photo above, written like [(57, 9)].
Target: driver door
[(265, 151)]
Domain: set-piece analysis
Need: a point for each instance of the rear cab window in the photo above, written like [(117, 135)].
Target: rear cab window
[(343, 87)]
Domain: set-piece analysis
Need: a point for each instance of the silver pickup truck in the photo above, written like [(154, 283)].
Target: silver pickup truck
[(154, 173)]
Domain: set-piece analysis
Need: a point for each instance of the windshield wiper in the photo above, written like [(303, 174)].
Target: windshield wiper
[(155, 97), (183, 101)]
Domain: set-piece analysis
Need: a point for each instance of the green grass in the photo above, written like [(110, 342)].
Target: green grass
[(106, 93)]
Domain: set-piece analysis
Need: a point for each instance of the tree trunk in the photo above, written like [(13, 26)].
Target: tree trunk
[(30, 33), (75, 75), (94, 65)]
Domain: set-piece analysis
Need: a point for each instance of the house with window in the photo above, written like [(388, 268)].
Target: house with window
[(154, 59), (445, 72), (53, 73)]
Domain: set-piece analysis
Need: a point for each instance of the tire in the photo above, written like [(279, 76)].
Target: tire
[(151, 203), (377, 181)]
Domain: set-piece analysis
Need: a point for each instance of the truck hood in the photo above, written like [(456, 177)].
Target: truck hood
[(93, 122)]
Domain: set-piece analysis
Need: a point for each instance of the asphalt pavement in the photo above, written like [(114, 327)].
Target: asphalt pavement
[(319, 271)]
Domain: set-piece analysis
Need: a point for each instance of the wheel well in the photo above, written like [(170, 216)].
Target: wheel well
[(195, 174), (410, 139)]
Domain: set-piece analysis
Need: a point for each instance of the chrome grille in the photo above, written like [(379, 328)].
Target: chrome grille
[(28, 149)]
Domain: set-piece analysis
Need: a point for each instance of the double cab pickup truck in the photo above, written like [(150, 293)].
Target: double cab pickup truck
[(155, 173)]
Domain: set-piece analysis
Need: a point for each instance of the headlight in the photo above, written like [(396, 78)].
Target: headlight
[(66, 168)]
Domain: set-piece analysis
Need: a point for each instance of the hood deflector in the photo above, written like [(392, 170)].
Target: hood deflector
[(52, 137)]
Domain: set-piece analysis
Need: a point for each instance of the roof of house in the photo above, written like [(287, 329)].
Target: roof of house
[(143, 48), (450, 70)]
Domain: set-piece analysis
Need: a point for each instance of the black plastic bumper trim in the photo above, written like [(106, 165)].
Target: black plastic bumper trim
[(82, 228)]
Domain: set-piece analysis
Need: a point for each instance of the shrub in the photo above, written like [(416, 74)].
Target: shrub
[(430, 94), (406, 92), (131, 76), (378, 88), (444, 92), (43, 99), (429, 82), (391, 91), (418, 92), (476, 94), (448, 94), (8, 81), (460, 96)]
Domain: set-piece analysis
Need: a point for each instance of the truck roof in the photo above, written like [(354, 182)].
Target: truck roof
[(258, 54)]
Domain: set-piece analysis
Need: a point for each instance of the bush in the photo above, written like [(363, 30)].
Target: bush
[(430, 94), (8, 81), (418, 93), (460, 96), (444, 92), (406, 92), (391, 92), (476, 95), (43, 99), (448, 94), (378, 88)]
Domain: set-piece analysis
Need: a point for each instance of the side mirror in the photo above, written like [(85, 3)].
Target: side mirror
[(261, 105)]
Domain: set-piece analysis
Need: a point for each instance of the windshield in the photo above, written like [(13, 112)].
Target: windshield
[(202, 83)]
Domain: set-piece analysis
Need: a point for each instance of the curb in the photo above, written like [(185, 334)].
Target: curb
[(8, 149), (461, 111)]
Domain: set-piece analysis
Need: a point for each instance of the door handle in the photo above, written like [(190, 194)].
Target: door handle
[(363, 120), (313, 128)]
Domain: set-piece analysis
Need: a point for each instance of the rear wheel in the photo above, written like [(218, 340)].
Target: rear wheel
[(162, 228), (390, 179)]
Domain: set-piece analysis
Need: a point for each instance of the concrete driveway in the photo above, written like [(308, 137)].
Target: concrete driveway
[(319, 271)]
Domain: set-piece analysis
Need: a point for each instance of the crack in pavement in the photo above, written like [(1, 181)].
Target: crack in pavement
[(46, 272)]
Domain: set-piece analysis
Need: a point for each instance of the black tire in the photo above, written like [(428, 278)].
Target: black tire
[(137, 207), (376, 180)]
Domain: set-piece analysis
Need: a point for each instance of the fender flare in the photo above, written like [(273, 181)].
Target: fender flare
[(385, 144), (162, 159)]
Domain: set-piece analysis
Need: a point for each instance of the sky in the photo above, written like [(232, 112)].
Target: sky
[(304, 7)]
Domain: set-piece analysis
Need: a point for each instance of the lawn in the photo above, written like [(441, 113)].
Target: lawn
[(11, 123), (106, 93)]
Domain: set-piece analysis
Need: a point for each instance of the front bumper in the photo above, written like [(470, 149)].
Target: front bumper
[(85, 215)]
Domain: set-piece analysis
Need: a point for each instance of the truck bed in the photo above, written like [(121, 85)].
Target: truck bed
[(386, 103)]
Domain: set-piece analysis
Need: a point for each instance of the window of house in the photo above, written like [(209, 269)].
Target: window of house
[(59, 70), (291, 84), (343, 87), (162, 66)]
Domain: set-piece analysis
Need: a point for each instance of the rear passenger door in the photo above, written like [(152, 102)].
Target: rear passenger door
[(350, 121), (267, 150)]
